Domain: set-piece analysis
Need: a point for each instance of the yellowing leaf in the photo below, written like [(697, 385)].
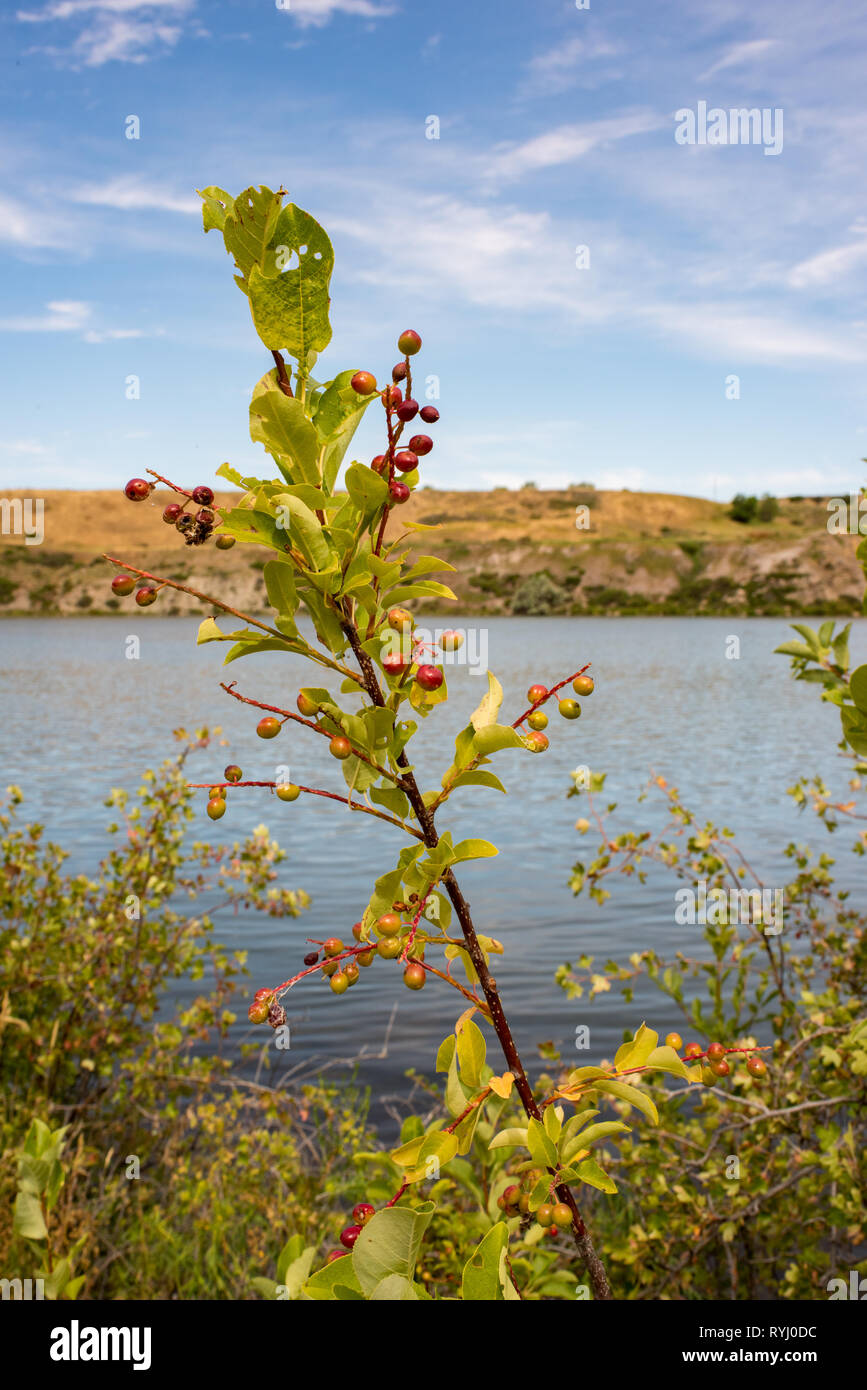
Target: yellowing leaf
[(502, 1085)]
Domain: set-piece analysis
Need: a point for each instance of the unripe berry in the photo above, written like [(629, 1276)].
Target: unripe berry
[(287, 791), (269, 727), (146, 596), (340, 982), (674, 1040), (398, 492), (714, 1051), (389, 948), (420, 444), (306, 706), (583, 685), (536, 741), (366, 957), (217, 808), (264, 993), (538, 719), (512, 1195), (330, 967), (357, 929), (232, 773), (709, 1076), (171, 513), (524, 1202), (405, 460), (398, 371), (391, 396), (409, 342), (720, 1067), (429, 677), (122, 584), (562, 1215), (340, 747), (414, 976), (388, 924), (536, 693), (333, 946), (545, 1214), (225, 542), (350, 1234), (258, 1011), (203, 495), (362, 1213), (756, 1066), (400, 619), (691, 1051), (350, 970), (429, 414), (137, 489), (451, 640), (569, 709), (363, 383)]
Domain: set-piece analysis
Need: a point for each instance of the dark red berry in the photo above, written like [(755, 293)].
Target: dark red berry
[(395, 662), (715, 1050), (756, 1067), (137, 489), (146, 596), (399, 492), (398, 371), (363, 1212), (421, 444), (349, 1235), (258, 1012), (363, 383), (311, 958), (405, 460), (378, 463), (203, 495), (232, 773), (171, 513), (429, 414), (122, 584), (391, 396), (185, 522), (336, 1255), (407, 410), (429, 677), (409, 342), (205, 517)]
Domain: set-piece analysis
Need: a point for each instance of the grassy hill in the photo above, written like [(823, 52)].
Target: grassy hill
[(579, 551)]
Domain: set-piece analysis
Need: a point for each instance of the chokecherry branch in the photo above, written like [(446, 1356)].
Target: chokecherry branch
[(316, 791), (552, 691)]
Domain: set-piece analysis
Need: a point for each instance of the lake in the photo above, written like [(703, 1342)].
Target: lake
[(79, 717)]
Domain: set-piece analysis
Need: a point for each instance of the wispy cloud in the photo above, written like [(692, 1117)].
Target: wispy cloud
[(568, 143), (30, 227), (60, 316), (741, 55), (317, 13), (129, 194), (562, 67), (829, 265), (123, 31)]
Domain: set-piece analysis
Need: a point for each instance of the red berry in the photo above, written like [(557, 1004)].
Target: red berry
[(264, 993), (205, 517), (336, 1255), (340, 747), (692, 1051), (451, 640), (363, 1212), (349, 1235), (311, 958), (512, 1195), (363, 383), (537, 742), (409, 342), (756, 1067), (398, 371), (122, 584), (405, 460), (171, 513), (421, 444), (414, 976), (393, 663), (715, 1050), (137, 489), (269, 727), (429, 677), (258, 1012), (232, 773), (536, 693), (357, 929), (378, 463), (146, 596), (399, 492), (407, 410), (203, 495), (391, 396), (720, 1067), (554, 1230), (429, 414)]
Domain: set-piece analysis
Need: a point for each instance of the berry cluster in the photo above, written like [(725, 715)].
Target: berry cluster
[(715, 1055), (361, 1214), (400, 409), (568, 709), (196, 528), (550, 1215)]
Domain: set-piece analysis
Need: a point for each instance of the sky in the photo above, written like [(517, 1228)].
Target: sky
[(603, 297)]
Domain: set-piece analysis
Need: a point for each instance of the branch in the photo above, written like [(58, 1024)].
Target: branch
[(317, 791)]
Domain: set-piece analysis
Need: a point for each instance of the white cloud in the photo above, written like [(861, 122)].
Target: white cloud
[(828, 265), (30, 448), (568, 143), (741, 54), (129, 194), (61, 316), (111, 334), (22, 226), (317, 13), (124, 31), (560, 68)]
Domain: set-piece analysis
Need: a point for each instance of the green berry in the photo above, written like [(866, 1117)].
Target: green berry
[(269, 727), (287, 791), (538, 719), (216, 807), (583, 685), (545, 1214), (340, 747), (414, 976), (389, 947), (340, 982), (569, 709), (388, 924)]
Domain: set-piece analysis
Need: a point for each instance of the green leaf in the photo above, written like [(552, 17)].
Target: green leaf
[(396, 1289), (486, 1273), (509, 1139), (541, 1148), (280, 583), (304, 530), (216, 203), (389, 1244), (290, 304), (474, 849), (323, 1284), (591, 1135), (666, 1059), (336, 417), (479, 779), (471, 1050), (590, 1172), (858, 687), (367, 489), (854, 728), (279, 423), (248, 226), (28, 1220), (493, 737), (632, 1095), (795, 649)]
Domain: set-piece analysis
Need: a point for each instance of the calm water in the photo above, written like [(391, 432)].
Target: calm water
[(80, 718)]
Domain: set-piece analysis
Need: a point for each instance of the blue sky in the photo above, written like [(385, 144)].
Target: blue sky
[(556, 131)]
